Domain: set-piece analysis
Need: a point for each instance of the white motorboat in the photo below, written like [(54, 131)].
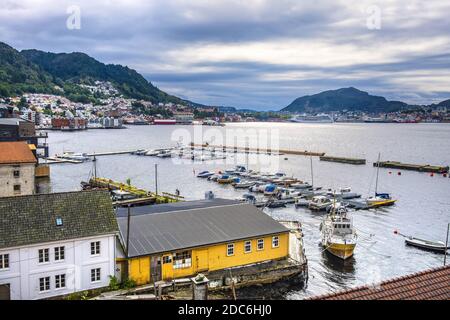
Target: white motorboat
[(75, 156), (301, 185), (165, 154), (435, 246), (244, 184), (152, 153), (344, 193), (319, 203), (205, 174)]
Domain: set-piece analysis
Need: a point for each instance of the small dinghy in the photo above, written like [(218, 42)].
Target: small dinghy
[(426, 244)]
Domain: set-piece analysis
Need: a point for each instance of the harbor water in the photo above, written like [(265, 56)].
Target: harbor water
[(422, 210)]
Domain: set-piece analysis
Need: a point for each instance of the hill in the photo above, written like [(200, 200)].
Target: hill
[(350, 99), (40, 72)]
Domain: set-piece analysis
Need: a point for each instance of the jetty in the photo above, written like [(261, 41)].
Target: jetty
[(260, 150), (411, 167), (343, 160)]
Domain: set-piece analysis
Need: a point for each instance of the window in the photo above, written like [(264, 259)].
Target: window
[(59, 253), (275, 242), (44, 284), (230, 249), (95, 275), (16, 173), (95, 248), (60, 281), (4, 261), (44, 255), (248, 246), (17, 188), (182, 260), (59, 222), (167, 259), (260, 244)]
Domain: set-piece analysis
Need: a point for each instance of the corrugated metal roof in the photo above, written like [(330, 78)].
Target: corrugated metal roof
[(183, 229), (176, 206)]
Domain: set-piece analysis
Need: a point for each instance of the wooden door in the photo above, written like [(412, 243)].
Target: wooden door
[(202, 259), (5, 292)]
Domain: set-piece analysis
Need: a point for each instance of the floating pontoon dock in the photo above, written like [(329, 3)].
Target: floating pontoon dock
[(412, 167), (343, 160)]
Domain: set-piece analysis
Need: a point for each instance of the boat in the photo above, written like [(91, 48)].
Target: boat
[(344, 193), (301, 185), (319, 203), (247, 198), (380, 199), (152, 153), (437, 246), (338, 234), (215, 177), (139, 152), (165, 154), (75, 156), (244, 184), (272, 204), (226, 179), (286, 194), (270, 190), (302, 202), (205, 174), (256, 187), (320, 118)]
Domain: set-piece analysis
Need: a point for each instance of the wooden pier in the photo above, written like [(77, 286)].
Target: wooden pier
[(412, 167), (259, 150), (343, 160)]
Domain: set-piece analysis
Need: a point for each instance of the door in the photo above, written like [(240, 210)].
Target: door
[(5, 292), (202, 259), (167, 268), (155, 268)]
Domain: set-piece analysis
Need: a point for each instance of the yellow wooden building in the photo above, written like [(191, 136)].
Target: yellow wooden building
[(173, 241)]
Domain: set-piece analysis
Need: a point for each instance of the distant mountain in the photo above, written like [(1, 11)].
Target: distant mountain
[(445, 103), (343, 99), (38, 71)]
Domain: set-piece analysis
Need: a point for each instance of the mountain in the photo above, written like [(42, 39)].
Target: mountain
[(350, 99), (38, 71), (445, 103)]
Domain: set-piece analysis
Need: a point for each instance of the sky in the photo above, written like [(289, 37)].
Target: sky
[(258, 54)]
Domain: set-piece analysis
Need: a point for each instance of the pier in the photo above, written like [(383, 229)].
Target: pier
[(411, 167), (343, 160), (259, 150)]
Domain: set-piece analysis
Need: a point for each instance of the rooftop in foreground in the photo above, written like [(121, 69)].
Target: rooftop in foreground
[(16, 152), (431, 284)]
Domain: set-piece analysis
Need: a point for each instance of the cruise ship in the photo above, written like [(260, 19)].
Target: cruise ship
[(320, 118)]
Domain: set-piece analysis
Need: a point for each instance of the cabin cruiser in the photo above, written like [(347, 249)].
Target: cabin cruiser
[(75, 156), (344, 193), (319, 203), (338, 234), (205, 174), (286, 194), (244, 184), (238, 170)]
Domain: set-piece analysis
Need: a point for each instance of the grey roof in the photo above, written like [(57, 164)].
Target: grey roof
[(177, 206), (185, 229), (28, 220), (12, 121)]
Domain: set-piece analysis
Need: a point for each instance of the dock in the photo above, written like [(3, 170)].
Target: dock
[(260, 151), (411, 167), (343, 160)]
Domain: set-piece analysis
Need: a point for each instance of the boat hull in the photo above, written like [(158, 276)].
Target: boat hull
[(341, 251)]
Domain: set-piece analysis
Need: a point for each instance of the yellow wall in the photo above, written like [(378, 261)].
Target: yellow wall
[(212, 258)]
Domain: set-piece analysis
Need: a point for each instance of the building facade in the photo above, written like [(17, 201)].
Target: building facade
[(63, 243), (173, 241), (17, 169)]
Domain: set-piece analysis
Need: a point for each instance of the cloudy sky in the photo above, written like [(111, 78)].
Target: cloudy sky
[(259, 54)]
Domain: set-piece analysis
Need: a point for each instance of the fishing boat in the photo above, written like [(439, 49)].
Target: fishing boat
[(205, 174), (437, 246), (319, 203), (338, 235), (380, 199)]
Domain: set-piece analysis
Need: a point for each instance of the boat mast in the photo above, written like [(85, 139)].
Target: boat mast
[(446, 246), (312, 172), (378, 173)]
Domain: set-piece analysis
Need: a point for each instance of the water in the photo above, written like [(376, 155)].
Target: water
[(423, 207)]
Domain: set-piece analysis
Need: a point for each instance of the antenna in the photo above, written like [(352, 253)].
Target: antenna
[(378, 173)]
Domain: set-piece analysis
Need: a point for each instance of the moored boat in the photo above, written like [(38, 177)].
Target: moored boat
[(435, 246), (319, 203)]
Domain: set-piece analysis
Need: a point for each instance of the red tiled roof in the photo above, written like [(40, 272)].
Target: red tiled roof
[(16, 152), (427, 285)]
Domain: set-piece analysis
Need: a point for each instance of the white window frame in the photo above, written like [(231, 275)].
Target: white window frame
[(46, 282), (44, 251), (277, 240), (259, 241), (97, 276), (248, 242), (97, 249), (60, 251), (58, 280), (4, 257), (230, 245)]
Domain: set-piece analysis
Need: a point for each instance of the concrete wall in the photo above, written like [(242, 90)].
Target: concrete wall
[(211, 258), (25, 270), (26, 180)]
